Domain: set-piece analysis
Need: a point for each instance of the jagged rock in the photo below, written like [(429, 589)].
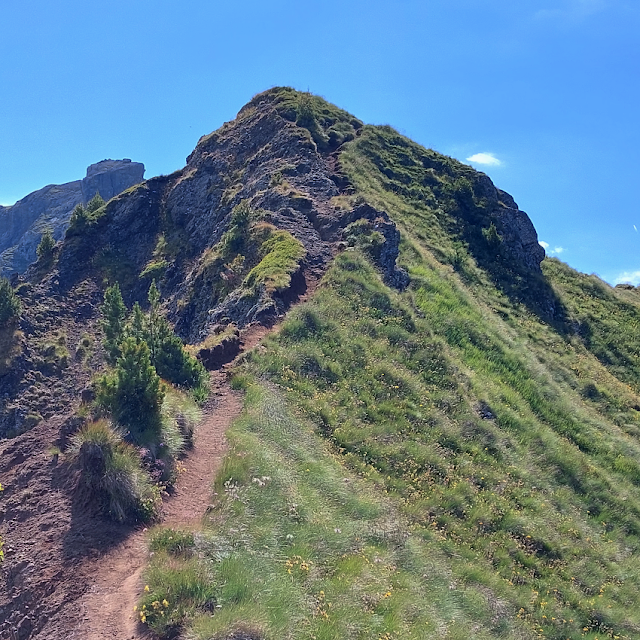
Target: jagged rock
[(519, 236), (386, 258), (22, 225)]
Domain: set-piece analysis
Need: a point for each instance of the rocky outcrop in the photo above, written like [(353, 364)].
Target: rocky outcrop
[(519, 237), (22, 225), (518, 233), (111, 177), (386, 255), (222, 353)]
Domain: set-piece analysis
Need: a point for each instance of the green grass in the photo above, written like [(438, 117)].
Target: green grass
[(172, 542), (443, 206), (543, 497), (328, 126), (177, 588), (605, 320), (280, 256), (298, 546)]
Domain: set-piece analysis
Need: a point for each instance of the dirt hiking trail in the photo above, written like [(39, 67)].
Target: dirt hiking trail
[(116, 582)]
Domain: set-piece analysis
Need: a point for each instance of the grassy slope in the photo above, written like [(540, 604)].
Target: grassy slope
[(436, 463)]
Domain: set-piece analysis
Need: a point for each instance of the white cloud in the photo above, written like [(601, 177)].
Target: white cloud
[(628, 277), (550, 252), (484, 158), (635, 228)]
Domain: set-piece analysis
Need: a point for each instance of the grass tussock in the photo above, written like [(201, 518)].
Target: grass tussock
[(177, 589), (112, 474)]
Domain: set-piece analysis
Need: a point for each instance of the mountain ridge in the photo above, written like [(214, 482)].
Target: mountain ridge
[(443, 439)]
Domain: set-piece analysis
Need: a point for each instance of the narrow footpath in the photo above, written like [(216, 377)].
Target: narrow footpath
[(107, 609)]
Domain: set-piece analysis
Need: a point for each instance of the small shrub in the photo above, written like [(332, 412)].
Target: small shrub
[(491, 235), (96, 203), (46, 247), (83, 348), (133, 393), (56, 354), (9, 302), (78, 221), (114, 314), (240, 382), (83, 218), (154, 269)]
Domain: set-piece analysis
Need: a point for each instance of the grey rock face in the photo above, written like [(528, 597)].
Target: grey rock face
[(519, 236), (111, 177), (22, 225)]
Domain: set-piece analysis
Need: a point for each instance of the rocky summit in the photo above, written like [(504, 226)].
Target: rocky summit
[(49, 208), (338, 375)]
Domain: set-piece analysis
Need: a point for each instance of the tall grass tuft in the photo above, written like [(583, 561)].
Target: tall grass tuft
[(112, 475)]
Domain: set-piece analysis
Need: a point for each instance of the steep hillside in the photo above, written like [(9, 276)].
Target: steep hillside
[(50, 208), (443, 441)]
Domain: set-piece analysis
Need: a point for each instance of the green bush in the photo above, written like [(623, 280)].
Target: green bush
[(111, 474), (168, 356), (166, 351), (96, 203), (114, 314), (46, 247), (84, 217), (132, 393), (9, 302)]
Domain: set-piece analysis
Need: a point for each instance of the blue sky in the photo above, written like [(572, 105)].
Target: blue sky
[(542, 94)]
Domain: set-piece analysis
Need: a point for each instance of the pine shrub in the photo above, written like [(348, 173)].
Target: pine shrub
[(114, 315), (46, 247), (132, 393), (9, 302)]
